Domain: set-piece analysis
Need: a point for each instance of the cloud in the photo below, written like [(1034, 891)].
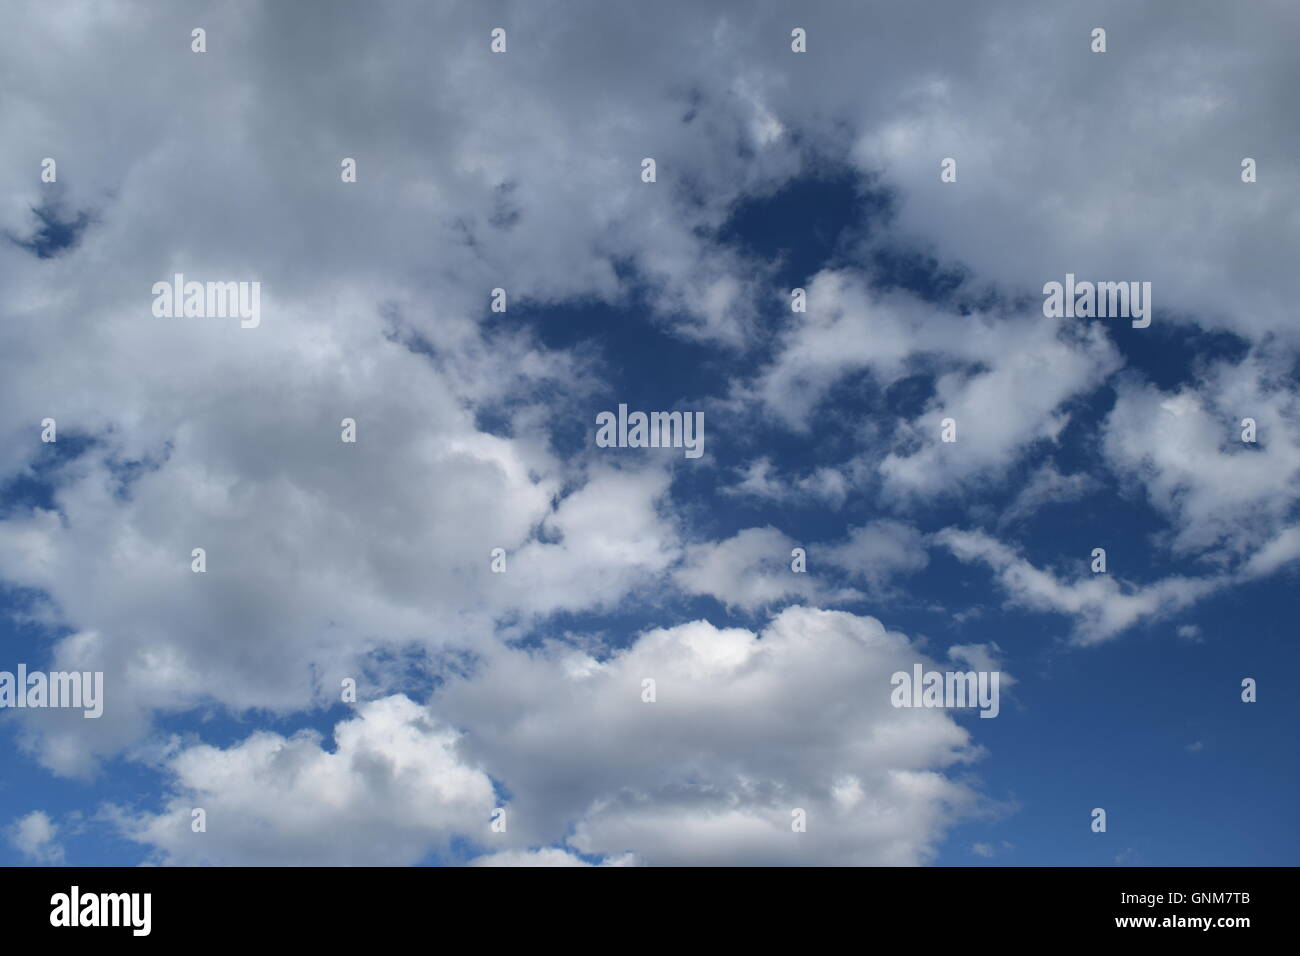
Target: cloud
[(739, 737), (822, 485), (752, 570), (1183, 451), (1004, 379), (395, 788), (1127, 214), (878, 552), (548, 856), (746, 728), (35, 836), (1277, 552), (982, 657), (1014, 402), (1045, 486), (601, 542), (1100, 605)]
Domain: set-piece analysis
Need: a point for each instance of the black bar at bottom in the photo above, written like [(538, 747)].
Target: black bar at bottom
[(336, 906)]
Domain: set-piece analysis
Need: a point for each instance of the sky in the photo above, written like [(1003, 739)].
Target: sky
[(501, 714)]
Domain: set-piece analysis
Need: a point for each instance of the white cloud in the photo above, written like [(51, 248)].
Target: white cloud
[(1027, 165), (601, 541), (740, 735), (35, 836), (988, 850), (746, 727), (752, 570), (1004, 381), (981, 657), (1046, 486), (395, 788), (822, 485), (548, 856), (1183, 451), (1277, 552), (1100, 605), (878, 552)]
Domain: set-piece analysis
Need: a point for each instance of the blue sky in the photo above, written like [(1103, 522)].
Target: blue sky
[(522, 690)]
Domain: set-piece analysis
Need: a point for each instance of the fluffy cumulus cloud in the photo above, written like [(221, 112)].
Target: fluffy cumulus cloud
[(1002, 380), (1192, 83), (879, 551), (394, 787), (761, 567), (35, 836), (1185, 451), (712, 760), (744, 729), (522, 172), (751, 570)]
